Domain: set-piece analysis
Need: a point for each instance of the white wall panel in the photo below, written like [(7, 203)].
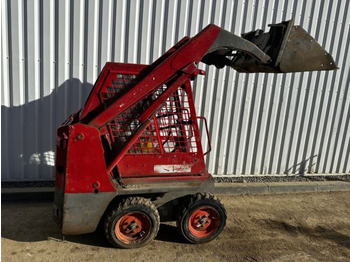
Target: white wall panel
[(52, 52)]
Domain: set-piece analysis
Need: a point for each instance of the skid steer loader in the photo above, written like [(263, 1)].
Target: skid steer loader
[(132, 156)]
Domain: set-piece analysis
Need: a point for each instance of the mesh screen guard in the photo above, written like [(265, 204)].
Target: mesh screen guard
[(170, 129)]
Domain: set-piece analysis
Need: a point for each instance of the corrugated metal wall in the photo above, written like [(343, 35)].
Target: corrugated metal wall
[(53, 51)]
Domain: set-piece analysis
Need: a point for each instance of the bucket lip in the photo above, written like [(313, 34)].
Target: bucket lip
[(287, 45)]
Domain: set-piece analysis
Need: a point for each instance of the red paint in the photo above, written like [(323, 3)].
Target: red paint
[(85, 165), (138, 118)]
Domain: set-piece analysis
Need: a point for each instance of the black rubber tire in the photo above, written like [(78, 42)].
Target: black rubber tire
[(192, 204), (128, 206)]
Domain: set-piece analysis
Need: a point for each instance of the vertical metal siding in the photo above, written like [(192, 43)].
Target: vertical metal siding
[(52, 52)]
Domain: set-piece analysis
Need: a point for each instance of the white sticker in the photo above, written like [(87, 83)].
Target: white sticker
[(172, 168)]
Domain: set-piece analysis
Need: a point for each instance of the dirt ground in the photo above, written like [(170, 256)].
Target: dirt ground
[(293, 227)]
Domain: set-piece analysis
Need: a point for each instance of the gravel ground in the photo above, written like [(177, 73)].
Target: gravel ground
[(292, 227), (267, 179)]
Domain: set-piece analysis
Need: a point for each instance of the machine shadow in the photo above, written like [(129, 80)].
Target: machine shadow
[(31, 221), (169, 233), (28, 220), (29, 131), (166, 233)]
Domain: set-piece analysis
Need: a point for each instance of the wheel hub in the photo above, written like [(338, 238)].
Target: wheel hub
[(133, 227), (203, 222)]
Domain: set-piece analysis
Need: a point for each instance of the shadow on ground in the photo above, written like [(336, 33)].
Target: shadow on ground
[(316, 233), (31, 221)]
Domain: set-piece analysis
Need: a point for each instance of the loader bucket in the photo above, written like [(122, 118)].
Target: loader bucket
[(289, 48)]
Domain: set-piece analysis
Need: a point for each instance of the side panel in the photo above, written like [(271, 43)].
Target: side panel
[(82, 212), (81, 179), (143, 165), (86, 168)]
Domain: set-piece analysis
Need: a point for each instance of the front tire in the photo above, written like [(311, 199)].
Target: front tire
[(132, 223), (201, 219)]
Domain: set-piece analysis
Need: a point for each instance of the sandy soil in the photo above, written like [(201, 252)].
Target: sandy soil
[(294, 227)]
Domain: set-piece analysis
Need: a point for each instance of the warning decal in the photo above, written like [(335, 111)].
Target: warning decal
[(172, 168)]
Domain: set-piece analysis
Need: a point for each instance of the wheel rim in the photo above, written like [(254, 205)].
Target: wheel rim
[(133, 227), (203, 222)]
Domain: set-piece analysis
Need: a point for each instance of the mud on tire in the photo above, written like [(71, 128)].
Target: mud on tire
[(202, 218), (132, 223)]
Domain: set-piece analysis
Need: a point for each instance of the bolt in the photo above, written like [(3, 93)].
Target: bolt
[(79, 136)]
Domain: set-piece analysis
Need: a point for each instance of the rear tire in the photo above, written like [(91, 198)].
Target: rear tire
[(132, 223), (201, 219)]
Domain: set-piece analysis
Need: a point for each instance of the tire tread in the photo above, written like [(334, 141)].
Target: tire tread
[(189, 202)]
